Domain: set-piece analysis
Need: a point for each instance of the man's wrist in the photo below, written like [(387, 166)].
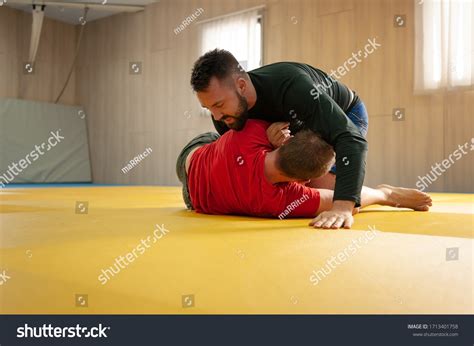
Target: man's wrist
[(343, 205)]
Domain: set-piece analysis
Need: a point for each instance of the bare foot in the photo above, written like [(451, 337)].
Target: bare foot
[(400, 197)]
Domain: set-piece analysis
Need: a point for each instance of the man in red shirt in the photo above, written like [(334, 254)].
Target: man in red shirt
[(241, 173)]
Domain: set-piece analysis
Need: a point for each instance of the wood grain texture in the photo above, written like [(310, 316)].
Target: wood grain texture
[(53, 60), (128, 113), (160, 105)]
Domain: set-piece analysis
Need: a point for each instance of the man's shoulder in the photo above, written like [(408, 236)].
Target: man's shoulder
[(254, 134), (252, 126), (256, 124), (280, 75)]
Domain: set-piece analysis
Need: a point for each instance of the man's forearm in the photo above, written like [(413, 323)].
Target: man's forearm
[(350, 172)]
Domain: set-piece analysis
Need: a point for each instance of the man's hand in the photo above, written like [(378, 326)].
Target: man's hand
[(339, 216), (278, 133)]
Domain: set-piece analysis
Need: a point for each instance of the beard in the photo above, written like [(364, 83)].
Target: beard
[(241, 115)]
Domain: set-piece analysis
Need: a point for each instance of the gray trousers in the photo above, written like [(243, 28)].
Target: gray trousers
[(197, 141)]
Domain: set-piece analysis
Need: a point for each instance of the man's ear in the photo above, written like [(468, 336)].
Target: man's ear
[(241, 85)]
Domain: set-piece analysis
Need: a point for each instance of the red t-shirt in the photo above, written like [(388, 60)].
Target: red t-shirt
[(227, 177)]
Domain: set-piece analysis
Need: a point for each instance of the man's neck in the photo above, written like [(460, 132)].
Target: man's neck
[(272, 173)]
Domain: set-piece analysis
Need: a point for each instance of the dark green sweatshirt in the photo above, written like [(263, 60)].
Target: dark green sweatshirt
[(308, 98)]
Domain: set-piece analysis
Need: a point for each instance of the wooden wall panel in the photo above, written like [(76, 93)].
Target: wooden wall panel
[(54, 58), (422, 141), (459, 131), (328, 7), (9, 53), (156, 108), (127, 112)]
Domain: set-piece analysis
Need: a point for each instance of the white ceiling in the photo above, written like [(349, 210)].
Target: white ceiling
[(70, 11)]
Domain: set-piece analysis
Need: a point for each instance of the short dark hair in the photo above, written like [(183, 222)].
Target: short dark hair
[(305, 156), (217, 63)]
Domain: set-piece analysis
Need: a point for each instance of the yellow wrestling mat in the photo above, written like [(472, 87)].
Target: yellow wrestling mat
[(56, 242)]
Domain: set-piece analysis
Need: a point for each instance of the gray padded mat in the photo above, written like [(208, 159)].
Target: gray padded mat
[(42, 143)]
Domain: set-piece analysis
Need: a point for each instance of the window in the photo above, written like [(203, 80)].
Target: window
[(444, 44), (239, 33)]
